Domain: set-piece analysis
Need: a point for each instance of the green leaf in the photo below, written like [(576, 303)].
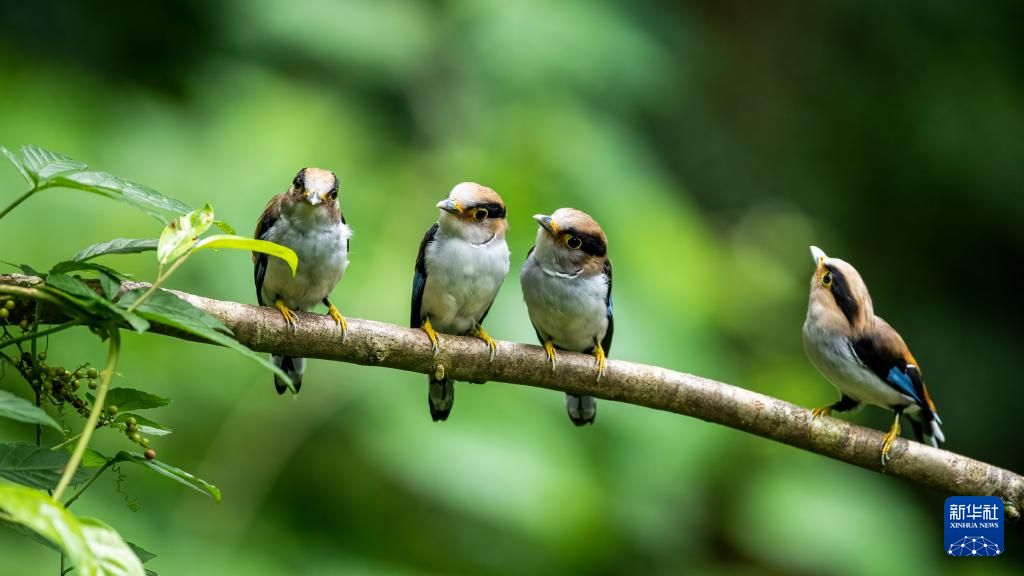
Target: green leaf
[(90, 458), (176, 474), (116, 246), (182, 233), (143, 554), (165, 308), (94, 303), (131, 399), (25, 269), (76, 265), (114, 556), (146, 426), (17, 164), (250, 245), (111, 285), (34, 466), (35, 510), (224, 227), (50, 169), (20, 409)]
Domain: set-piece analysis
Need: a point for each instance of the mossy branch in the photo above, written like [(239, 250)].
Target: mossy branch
[(372, 343)]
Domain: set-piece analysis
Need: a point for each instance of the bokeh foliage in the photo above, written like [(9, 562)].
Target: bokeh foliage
[(713, 141)]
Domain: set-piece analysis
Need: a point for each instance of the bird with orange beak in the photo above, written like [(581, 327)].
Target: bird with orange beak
[(307, 219), (567, 285), (862, 355)]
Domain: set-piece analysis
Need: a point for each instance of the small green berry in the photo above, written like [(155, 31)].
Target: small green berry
[(4, 313), (132, 421), (112, 409), (60, 371), (150, 454), (23, 324), (136, 437), (42, 355), (92, 373), (92, 385), (10, 305)]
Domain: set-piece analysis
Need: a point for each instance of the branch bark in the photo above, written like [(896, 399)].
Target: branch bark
[(372, 343)]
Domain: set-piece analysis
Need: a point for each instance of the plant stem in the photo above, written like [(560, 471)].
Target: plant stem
[(160, 279), (20, 199), (94, 414), (88, 483), (31, 335), (66, 442)]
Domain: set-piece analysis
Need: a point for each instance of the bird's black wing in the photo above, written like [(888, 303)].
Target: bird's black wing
[(419, 279), (259, 260), (606, 343), (887, 358)]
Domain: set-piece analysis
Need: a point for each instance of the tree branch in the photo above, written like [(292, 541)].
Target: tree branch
[(372, 343)]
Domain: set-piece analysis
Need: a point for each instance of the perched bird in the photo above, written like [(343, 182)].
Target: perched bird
[(308, 220), (463, 260), (567, 285), (861, 355)]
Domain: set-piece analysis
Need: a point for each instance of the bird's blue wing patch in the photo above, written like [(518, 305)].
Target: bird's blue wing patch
[(902, 381)]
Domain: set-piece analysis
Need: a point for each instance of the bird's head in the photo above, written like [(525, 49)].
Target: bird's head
[(315, 187), (838, 293), (570, 241), (473, 212)]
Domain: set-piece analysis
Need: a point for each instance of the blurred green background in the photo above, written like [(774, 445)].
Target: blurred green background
[(714, 141)]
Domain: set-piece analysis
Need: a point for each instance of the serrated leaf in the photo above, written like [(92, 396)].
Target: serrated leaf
[(140, 552), (43, 164), (20, 409), (176, 474), (250, 245), (34, 466), (224, 227), (67, 266), (112, 553), (35, 510), (94, 303), (182, 233), (17, 164), (142, 197), (116, 246), (127, 399), (25, 269), (165, 308), (146, 426)]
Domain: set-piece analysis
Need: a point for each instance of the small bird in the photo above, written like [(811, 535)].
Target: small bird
[(462, 261), (307, 219), (862, 355), (567, 285)]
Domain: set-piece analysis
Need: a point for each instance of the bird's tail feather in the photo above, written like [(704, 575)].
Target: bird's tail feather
[(441, 398), (293, 367), (927, 429), (582, 409)]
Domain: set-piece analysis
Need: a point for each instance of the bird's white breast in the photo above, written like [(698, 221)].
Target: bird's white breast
[(462, 281), (833, 356), (569, 309), (322, 247)]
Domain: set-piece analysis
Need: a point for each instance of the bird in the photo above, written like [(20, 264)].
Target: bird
[(462, 262), (862, 355), (308, 219), (567, 286)]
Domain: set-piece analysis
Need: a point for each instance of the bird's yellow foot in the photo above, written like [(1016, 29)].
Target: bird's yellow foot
[(482, 334), (602, 361), (339, 319), (823, 411), (432, 334), (289, 316), (549, 347), (890, 438)]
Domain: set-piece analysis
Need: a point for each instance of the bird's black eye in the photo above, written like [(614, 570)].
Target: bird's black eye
[(826, 279), (573, 242), (480, 214), (333, 194)]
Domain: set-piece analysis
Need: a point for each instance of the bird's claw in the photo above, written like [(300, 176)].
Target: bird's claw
[(823, 411), (432, 334), (602, 361), (549, 347), (889, 440), (289, 316), (339, 319), (482, 334)]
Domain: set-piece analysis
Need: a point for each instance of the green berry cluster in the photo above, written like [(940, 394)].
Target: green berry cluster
[(9, 310), (57, 384)]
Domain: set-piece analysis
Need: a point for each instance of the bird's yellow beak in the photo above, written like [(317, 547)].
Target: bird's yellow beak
[(547, 223), (450, 206)]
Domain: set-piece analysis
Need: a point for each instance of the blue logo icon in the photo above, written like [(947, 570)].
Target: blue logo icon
[(973, 526)]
